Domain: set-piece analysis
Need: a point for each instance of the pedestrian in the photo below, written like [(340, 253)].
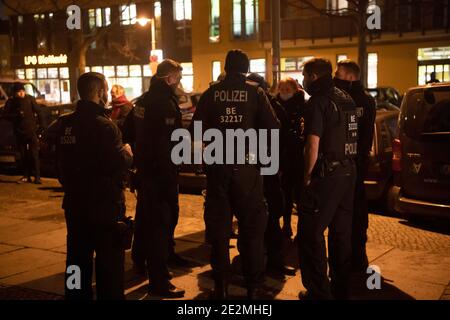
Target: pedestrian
[(292, 99), (347, 78), (160, 176), (235, 188), (120, 105), (92, 160), (331, 131), (273, 193), (20, 110)]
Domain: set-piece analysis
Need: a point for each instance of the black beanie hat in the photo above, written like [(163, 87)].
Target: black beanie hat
[(236, 62), (258, 79), (17, 86)]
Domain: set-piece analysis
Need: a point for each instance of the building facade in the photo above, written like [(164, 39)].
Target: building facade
[(119, 37), (413, 41)]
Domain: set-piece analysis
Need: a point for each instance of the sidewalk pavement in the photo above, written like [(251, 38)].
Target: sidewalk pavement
[(32, 254)]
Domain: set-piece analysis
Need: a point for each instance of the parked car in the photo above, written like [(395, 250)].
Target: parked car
[(379, 180), (421, 153), (387, 98)]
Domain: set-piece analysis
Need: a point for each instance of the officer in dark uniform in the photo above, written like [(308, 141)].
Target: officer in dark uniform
[(92, 161), (159, 174), (346, 78), (234, 103), (274, 193), (21, 110), (331, 130)]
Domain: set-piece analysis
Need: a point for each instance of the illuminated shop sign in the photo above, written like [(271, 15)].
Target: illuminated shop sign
[(44, 60)]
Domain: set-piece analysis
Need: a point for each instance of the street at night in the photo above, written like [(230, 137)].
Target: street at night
[(225, 158), (413, 258)]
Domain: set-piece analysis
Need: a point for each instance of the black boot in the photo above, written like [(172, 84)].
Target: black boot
[(220, 291)]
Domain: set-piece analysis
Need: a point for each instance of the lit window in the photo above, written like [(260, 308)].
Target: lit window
[(20, 20), (258, 66), (157, 9), (147, 70), (64, 73), (337, 5), (214, 21), (187, 81), (53, 73), (122, 71), (216, 70), (30, 73), (135, 71), (50, 15), (91, 13), (42, 73), (372, 70), (107, 16), (20, 74), (109, 71), (245, 18), (98, 69), (183, 10), (98, 17), (341, 57), (128, 14)]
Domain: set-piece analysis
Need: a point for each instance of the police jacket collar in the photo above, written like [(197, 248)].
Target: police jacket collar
[(89, 107), (321, 86), (235, 76), (159, 87), (348, 85)]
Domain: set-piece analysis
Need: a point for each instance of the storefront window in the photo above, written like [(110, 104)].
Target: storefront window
[(435, 60), (135, 71), (97, 69), (258, 66), (64, 73), (20, 74), (122, 71), (49, 87), (147, 70), (30, 73), (132, 86), (52, 73), (109, 71), (214, 21), (42, 73)]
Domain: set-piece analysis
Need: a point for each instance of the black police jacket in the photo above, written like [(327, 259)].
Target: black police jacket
[(366, 111), (234, 103), (91, 163), (162, 116), (331, 115), (21, 111)]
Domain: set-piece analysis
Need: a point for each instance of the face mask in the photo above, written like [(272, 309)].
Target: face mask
[(286, 96)]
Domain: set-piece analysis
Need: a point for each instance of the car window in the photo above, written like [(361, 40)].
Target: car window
[(392, 126), (420, 115), (7, 87)]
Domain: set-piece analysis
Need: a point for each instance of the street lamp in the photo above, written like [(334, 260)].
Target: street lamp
[(143, 22)]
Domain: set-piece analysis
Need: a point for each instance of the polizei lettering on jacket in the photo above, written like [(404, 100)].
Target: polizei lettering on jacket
[(230, 96)]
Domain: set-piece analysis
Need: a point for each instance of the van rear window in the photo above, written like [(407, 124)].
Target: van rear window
[(426, 111)]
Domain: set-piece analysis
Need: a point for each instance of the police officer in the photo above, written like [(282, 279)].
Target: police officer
[(21, 110), (92, 161), (347, 78), (329, 179), (274, 193), (235, 188), (160, 175)]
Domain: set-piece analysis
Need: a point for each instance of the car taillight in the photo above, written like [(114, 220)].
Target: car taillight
[(396, 155)]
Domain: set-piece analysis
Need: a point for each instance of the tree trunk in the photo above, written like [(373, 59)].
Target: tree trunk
[(362, 40)]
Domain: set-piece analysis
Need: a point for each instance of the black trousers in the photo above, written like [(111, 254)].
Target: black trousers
[(237, 190), (275, 203), (83, 239), (140, 241), (291, 182), (29, 154), (335, 193), (160, 200), (360, 220)]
